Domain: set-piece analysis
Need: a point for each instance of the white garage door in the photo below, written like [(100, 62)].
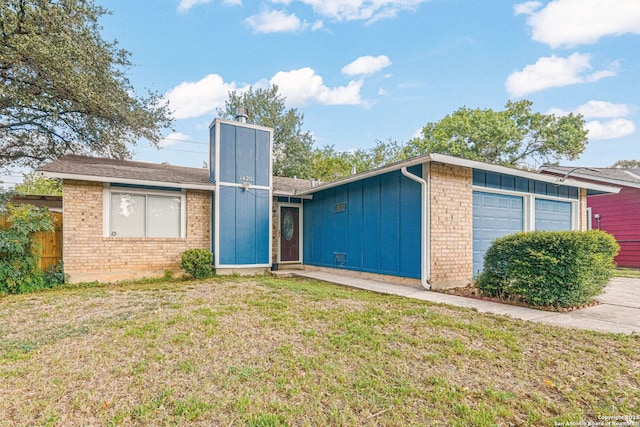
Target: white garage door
[(494, 215)]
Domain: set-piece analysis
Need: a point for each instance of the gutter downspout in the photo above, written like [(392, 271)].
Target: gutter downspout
[(425, 275)]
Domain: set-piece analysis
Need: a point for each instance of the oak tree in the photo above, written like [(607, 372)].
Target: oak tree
[(515, 137), (64, 89)]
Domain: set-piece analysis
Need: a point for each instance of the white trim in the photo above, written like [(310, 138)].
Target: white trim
[(128, 181), (300, 237), (236, 123), (106, 209), (216, 195), (255, 187)]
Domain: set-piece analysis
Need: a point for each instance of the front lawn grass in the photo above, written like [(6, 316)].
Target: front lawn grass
[(633, 273), (277, 352)]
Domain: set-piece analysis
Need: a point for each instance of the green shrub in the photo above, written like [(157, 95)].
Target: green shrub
[(19, 255), (197, 262), (561, 268), (55, 275)]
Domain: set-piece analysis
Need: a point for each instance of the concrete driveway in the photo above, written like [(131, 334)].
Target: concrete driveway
[(619, 311)]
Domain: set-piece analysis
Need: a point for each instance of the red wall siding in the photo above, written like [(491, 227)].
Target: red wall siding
[(620, 216)]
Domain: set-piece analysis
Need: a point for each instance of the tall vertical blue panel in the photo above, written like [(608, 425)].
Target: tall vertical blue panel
[(411, 214), (354, 210), (242, 215), (227, 153), (263, 157), (390, 221), (371, 205), (377, 229), (227, 219)]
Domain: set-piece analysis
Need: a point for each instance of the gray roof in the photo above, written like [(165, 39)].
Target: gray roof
[(616, 176), (99, 169)]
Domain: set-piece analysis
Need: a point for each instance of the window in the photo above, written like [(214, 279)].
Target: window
[(136, 213)]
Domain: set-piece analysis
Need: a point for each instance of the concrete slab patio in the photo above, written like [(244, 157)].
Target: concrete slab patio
[(619, 311)]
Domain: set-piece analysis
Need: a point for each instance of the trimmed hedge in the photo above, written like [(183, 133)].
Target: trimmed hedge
[(561, 268), (197, 262)]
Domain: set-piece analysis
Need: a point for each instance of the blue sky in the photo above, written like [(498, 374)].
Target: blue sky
[(367, 70)]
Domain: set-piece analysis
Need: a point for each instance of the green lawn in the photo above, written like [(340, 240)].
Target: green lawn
[(626, 272), (275, 352)]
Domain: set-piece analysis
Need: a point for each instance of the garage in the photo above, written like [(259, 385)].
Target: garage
[(553, 215), (494, 215)]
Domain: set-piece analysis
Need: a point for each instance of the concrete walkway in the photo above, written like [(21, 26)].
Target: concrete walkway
[(619, 311)]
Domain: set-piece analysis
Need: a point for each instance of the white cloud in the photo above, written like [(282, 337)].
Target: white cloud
[(616, 128), (274, 21), (359, 10), (173, 138), (575, 22), (554, 71), (299, 87), (526, 8), (366, 65), (604, 109), (303, 86), (188, 4), (194, 99)]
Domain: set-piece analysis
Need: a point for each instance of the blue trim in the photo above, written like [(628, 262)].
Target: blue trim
[(482, 178), (145, 187)]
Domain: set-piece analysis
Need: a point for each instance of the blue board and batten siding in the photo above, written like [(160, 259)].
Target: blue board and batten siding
[(240, 154), (372, 225)]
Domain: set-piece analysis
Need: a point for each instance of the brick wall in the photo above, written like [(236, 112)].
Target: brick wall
[(451, 201), (87, 255)]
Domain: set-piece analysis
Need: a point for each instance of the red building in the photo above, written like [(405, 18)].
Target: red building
[(617, 214)]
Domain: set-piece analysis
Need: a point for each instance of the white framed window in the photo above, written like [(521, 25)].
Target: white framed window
[(136, 212)]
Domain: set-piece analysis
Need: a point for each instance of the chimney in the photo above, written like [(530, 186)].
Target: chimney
[(242, 114), (353, 169)]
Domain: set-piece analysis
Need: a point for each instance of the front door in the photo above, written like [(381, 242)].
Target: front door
[(289, 234)]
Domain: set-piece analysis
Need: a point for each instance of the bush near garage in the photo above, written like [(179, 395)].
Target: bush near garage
[(197, 263), (559, 268)]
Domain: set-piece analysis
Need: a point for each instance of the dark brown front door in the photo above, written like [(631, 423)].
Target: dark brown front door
[(289, 234)]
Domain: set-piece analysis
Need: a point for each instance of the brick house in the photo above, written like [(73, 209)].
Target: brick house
[(425, 220)]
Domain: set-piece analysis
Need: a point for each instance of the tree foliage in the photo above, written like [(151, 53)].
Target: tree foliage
[(626, 164), (35, 184), (328, 164), (516, 136), (19, 257), (63, 89), (291, 145)]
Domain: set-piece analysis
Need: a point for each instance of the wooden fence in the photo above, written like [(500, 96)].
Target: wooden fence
[(51, 243)]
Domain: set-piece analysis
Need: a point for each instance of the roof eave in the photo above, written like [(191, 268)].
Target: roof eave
[(593, 178), (130, 181), (457, 161)]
